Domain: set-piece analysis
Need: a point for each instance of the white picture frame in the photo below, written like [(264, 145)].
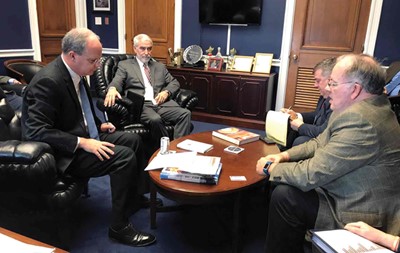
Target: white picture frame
[(242, 63), (263, 63), (101, 5)]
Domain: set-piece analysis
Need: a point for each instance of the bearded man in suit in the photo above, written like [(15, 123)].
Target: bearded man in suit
[(349, 172), (58, 110), (157, 86)]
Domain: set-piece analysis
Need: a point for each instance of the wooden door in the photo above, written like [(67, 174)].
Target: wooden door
[(322, 28), (55, 19), (154, 18)]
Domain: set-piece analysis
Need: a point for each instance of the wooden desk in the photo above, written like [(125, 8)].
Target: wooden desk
[(29, 240), (242, 164)]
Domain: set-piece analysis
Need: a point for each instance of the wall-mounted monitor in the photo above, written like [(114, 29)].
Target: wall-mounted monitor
[(241, 12)]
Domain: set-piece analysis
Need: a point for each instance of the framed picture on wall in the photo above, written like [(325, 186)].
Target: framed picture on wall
[(101, 5), (215, 64), (242, 63), (262, 63)]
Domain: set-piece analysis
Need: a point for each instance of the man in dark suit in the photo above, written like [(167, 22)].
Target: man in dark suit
[(392, 87), (308, 125), (58, 110), (348, 173), (151, 79)]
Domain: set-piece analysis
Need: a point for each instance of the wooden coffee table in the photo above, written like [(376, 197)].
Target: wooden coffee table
[(28, 240), (242, 164)]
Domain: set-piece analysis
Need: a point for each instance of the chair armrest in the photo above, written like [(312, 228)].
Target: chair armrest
[(26, 165), (18, 88), (118, 114), (186, 98)]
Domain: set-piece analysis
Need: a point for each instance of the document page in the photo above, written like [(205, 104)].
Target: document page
[(276, 126), (14, 246)]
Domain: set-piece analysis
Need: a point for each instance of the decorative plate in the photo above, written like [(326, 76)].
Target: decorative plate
[(192, 54)]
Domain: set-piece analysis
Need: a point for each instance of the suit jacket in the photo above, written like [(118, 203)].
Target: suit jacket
[(356, 163), (129, 77), (51, 112), (392, 71), (315, 122)]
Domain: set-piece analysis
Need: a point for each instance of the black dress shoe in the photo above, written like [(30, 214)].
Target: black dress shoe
[(128, 235), (145, 202)]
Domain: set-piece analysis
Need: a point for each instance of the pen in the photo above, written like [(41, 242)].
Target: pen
[(107, 121), (290, 107)]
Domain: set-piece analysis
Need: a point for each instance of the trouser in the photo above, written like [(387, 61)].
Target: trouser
[(291, 213)]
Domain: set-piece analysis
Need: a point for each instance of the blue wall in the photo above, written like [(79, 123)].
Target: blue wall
[(249, 40), (387, 47), (14, 23), (108, 33)]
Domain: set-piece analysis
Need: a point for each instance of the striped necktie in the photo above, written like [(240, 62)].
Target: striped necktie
[(147, 72)]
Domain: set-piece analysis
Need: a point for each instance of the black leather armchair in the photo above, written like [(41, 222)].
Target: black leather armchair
[(23, 69), (29, 179), (121, 114)]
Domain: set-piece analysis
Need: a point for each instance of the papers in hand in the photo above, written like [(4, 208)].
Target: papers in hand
[(187, 161), (341, 240), (276, 126)]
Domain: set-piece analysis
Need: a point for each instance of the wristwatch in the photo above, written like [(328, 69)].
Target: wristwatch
[(266, 167)]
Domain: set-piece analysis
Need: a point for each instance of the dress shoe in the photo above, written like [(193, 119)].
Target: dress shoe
[(128, 235), (145, 202)]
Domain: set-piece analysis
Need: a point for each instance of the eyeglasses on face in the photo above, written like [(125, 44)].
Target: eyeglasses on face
[(332, 83), (93, 61)]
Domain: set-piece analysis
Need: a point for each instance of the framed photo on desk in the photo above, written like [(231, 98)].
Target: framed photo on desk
[(215, 64), (262, 63), (242, 63)]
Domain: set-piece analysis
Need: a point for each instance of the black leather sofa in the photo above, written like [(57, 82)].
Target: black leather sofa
[(121, 114), (30, 183)]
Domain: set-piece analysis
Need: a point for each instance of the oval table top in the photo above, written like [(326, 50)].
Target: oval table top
[(242, 164)]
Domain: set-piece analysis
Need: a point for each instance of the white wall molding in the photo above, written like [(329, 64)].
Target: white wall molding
[(373, 26), (34, 26)]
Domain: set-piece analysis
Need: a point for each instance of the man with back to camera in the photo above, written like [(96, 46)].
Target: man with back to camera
[(58, 110), (309, 125), (157, 88), (349, 172)]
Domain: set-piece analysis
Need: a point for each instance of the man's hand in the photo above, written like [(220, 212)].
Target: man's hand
[(101, 149), (14, 81), (295, 124), (293, 114), (162, 97), (112, 94), (275, 159), (107, 127)]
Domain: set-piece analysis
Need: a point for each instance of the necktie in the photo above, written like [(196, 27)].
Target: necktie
[(391, 86), (87, 111), (147, 72)]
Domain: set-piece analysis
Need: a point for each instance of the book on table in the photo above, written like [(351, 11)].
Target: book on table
[(180, 175), (236, 135), (195, 146), (341, 240)]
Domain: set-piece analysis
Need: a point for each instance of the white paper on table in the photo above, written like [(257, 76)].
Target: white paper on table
[(170, 160), (14, 246)]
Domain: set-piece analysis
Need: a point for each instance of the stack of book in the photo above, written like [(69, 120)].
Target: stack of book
[(180, 175)]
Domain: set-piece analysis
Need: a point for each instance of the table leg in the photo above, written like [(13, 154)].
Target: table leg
[(153, 206)]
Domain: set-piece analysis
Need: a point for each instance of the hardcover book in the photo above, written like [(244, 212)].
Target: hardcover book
[(179, 175), (236, 135), (341, 240), (195, 146)]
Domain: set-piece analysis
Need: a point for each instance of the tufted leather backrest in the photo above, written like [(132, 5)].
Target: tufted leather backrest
[(10, 121), (106, 71)]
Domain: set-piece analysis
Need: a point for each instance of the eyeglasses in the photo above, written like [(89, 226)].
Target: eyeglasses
[(145, 48), (335, 84), (93, 61)]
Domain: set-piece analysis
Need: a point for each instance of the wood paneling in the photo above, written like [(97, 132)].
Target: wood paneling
[(55, 19), (154, 18), (322, 29)]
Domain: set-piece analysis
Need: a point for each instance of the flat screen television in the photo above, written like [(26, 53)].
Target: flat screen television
[(242, 12)]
